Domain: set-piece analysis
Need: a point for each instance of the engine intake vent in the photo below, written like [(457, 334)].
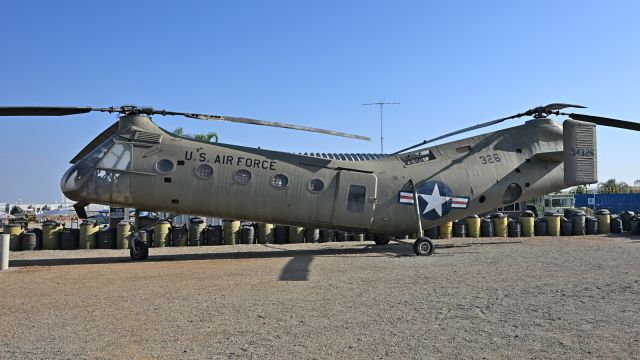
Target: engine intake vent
[(147, 137), (580, 155)]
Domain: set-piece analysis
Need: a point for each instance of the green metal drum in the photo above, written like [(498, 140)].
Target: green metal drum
[(265, 233), (445, 230), (473, 226), (161, 233), (51, 235), (231, 230), (14, 231), (500, 225), (88, 235), (553, 224), (196, 231), (123, 235), (296, 234), (604, 221)]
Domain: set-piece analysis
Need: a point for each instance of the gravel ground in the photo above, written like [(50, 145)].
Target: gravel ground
[(493, 298)]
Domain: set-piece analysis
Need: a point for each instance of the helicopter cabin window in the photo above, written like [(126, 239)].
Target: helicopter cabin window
[(355, 200), (242, 176), (417, 157), (280, 181), (204, 171), (164, 166), (118, 157), (315, 185)]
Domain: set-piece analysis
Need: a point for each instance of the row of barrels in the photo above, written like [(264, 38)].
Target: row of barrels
[(54, 236), (89, 235), (527, 225)]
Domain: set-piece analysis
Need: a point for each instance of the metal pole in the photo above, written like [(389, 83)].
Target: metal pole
[(4, 251), (381, 138), (417, 207), (381, 104)]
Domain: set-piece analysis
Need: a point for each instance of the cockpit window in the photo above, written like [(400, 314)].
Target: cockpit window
[(118, 158), (98, 153), (416, 157)]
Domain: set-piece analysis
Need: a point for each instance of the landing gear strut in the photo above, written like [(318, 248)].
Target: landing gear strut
[(423, 246)]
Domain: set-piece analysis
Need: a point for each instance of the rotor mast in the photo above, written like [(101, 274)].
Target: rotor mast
[(381, 104)]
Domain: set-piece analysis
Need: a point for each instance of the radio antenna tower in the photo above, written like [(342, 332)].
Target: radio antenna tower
[(381, 104)]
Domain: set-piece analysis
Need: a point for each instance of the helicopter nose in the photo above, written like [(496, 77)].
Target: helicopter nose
[(71, 182)]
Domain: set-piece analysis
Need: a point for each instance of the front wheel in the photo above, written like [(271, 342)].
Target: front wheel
[(423, 247), (141, 251)]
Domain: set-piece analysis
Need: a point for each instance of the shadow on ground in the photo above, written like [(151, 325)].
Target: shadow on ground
[(400, 249), (387, 250), (296, 269)]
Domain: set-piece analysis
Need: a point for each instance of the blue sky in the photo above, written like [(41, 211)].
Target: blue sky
[(450, 64)]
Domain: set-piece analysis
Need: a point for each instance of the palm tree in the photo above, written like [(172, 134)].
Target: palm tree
[(199, 137)]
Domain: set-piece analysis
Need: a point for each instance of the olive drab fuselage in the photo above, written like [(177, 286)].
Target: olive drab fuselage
[(137, 164)]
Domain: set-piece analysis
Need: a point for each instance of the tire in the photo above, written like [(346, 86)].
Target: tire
[(381, 239), (142, 251), (423, 247)]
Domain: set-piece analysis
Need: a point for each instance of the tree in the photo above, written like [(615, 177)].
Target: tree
[(580, 189), (199, 137), (611, 186)]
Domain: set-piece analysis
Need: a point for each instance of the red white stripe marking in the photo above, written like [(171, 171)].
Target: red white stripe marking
[(406, 198), (459, 203)]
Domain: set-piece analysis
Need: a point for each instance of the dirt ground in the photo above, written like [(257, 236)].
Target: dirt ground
[(493, 298)]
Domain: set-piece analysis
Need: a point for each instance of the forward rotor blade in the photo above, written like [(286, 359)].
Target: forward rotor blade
[(43, 110), (599, 120), (243, 120)]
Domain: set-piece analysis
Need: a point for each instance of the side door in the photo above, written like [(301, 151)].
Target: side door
[(355, 199)]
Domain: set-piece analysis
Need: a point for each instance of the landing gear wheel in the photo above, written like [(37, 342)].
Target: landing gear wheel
[(423, 246), (141, 251), (381, 239)]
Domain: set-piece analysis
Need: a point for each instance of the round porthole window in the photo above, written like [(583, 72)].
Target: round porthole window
[(280, 181), (164, 165), (315, 185), (242, 176), (204, 171)]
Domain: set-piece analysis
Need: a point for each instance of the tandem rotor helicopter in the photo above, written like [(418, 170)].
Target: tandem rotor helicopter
[(135, 163)]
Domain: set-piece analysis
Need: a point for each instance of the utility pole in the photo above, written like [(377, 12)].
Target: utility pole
[(381, 104)]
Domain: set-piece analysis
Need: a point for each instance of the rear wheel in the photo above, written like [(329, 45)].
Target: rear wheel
[(141, 251), (423, 246)]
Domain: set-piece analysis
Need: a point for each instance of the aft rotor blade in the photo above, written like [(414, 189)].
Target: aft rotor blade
[(474, 127), (43, 110), (540, 111), (243, 120), (599, 120)]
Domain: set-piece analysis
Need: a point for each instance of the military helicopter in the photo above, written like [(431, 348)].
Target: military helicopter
[(135, 163)]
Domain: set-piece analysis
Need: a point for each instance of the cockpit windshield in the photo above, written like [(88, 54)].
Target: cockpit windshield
[(101, 175)]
